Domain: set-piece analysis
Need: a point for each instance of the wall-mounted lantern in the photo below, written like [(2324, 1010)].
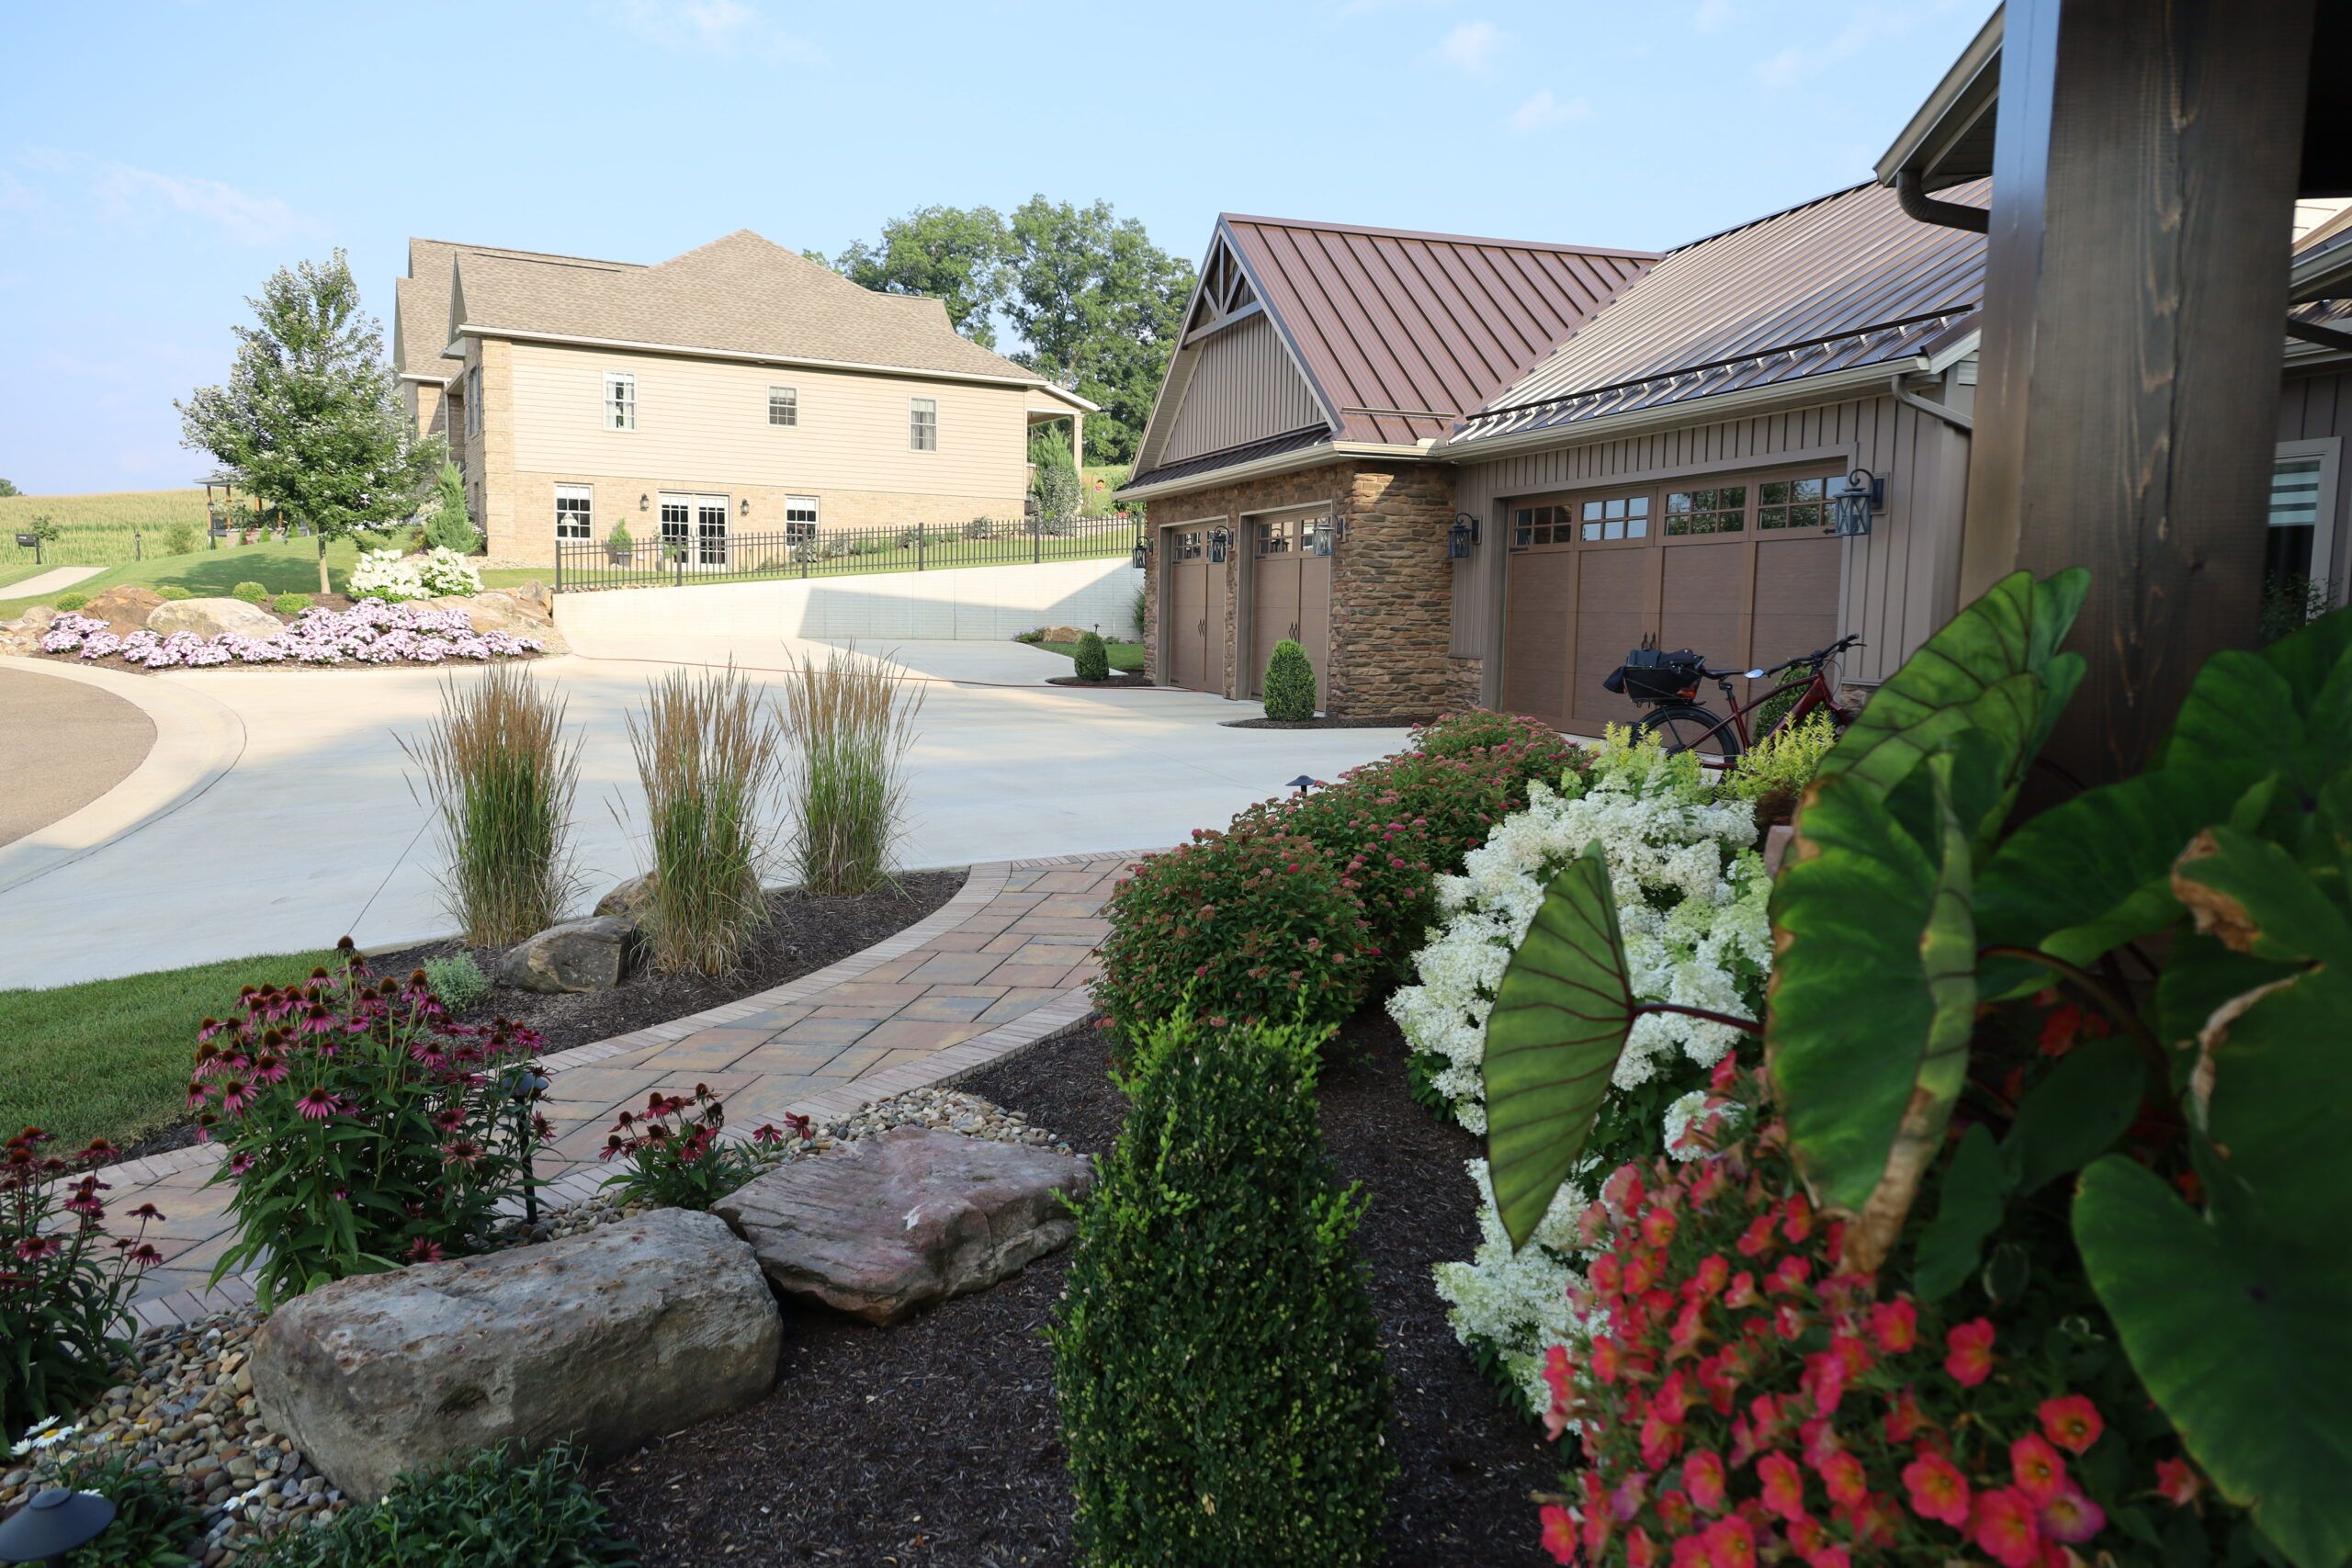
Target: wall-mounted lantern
[(1461, 537), (744, 509), (645, 504), (1141, 558), (1851, 502), (1219, 539), (1326, 533)]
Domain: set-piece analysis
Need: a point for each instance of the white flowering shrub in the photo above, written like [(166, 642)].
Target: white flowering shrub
[(1691, 901), (393, 576)]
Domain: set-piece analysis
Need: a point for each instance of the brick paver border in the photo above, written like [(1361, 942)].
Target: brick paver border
[(913, 1011)]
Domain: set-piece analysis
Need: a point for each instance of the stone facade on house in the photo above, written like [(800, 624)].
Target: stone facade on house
[(1392, 587)]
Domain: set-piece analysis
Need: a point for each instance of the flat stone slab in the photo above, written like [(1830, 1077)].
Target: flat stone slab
[(606, 1338), (884, 1226)]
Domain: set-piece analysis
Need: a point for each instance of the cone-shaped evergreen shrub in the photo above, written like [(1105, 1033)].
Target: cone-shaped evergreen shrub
[(1223, 1392), (1093, 659), (1290, 683)]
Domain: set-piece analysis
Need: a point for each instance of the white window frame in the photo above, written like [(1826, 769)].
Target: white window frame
[(787, 400), (796, 528), (2329, 451), (620, 399), (473, 400), (922, 434), (583, 518)]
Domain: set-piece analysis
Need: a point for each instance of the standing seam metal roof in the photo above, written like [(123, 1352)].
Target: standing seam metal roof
[(1404, 332), (1845, 281)]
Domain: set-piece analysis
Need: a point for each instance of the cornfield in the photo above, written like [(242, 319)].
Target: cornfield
[(101, 530)]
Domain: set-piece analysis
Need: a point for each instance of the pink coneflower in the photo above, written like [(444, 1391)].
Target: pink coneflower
[(461, 1151), (197, 1093), (208, 1060), (767, 1135), (425, 1251), (240, 1164), (235, 1095), (270, 1068), (317, 1020), (146, 1211), (144, 1256), (33, 1248), (316, 1105)]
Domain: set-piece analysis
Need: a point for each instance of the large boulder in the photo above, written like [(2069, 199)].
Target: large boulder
[(213, 617), (594, 954), (883, 1226), (606, 1339), (124, 609), (494, 612), (535, 597), (35, 619), (631, 900)]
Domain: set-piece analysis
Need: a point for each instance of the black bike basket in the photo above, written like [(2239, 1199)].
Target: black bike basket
[(1655, 676)]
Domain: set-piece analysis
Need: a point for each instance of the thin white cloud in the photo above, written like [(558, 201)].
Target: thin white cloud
[(124, 193), (1545, 108), (1471, 46), (723, 28), (1711, 16), (1865, 28)]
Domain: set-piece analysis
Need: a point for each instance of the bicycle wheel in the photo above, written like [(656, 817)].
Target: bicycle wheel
[(1687, 727)]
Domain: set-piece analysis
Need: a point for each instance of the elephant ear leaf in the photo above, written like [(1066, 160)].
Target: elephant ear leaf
[(1559, 1024), (1874, 998), (2246, 1347), (1994, 667)]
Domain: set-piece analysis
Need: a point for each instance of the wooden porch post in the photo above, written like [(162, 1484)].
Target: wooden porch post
[(2145, 171)]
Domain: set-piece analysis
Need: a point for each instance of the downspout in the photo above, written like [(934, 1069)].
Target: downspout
[(1914, 198), (1953, 417)]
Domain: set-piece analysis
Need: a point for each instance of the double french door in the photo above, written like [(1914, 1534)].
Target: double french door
[(693, 528)]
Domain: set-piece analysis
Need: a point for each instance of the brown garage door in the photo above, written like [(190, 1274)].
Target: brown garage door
[(1195, 612), (1737, 567), (1290, 593)]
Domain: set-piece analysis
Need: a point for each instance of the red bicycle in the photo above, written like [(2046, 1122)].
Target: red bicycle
[(1669, 685)]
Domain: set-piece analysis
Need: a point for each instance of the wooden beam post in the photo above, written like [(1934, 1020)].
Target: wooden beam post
[(2144, 172)]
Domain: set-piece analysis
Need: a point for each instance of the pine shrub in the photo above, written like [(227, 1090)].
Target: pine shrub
[(1290, 684), (449, 527), (1093, 659), (1223, 1392)]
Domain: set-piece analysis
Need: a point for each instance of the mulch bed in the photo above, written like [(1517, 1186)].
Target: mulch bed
[(1405, 722), (938, 1441), (804, 933), (1113, 681)]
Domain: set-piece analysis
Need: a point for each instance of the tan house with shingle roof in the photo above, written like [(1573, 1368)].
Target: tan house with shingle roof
[(738, 388)]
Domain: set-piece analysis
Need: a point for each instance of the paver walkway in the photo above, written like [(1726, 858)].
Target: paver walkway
[(1003, 963)]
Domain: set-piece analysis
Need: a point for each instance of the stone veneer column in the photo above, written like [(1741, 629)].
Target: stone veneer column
[(1392, 595)]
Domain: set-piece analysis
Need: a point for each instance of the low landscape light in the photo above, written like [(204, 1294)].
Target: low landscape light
[(1303, 783), (55, 1522)]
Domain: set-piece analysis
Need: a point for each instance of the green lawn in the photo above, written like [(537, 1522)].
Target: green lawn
[(288, 568), (110, 1058), (1124, 654)]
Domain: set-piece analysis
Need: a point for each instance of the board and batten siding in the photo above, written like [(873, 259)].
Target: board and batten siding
[(2313, 407), (1244, 387), (706, 423), (1899, 582)]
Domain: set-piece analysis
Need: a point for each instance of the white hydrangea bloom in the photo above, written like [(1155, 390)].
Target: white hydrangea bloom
[(1516, 1301)]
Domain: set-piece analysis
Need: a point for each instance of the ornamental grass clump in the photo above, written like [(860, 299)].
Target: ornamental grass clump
[(500, 775), (1218, 1366), (850, 720), (363, 1129), (676, 1156), (65, 1281), (1290, 684), (708, 755), (1254, 926)]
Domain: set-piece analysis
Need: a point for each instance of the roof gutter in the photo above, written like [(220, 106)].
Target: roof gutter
[(1281, 463), (1953, 417), (1913, 197), (1819, 389), (474, 328)]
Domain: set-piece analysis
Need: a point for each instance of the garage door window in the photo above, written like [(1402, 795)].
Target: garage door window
[(1532, 525), (1793, 503), (1279, 538), (1723, 510), (1616, 517), (1190, 546)]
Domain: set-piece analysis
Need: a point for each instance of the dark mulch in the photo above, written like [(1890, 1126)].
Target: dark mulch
[(1405, 722), (937, 1441), (1113, 681), (804, 933)]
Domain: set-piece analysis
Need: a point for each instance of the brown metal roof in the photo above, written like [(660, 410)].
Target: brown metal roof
[(1232, 456), (1844, 281), (1403, 333)]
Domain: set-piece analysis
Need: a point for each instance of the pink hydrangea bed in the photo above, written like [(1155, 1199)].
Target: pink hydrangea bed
[(370, 632)]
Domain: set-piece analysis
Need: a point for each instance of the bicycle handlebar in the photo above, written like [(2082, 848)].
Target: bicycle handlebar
[(1816, 657)]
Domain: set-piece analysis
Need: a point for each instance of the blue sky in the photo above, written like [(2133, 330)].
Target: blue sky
[(161, 159)]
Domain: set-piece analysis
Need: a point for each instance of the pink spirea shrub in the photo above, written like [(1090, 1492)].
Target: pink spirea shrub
[(370, 632)]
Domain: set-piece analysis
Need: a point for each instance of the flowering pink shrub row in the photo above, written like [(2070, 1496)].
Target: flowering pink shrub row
[(370, 632)]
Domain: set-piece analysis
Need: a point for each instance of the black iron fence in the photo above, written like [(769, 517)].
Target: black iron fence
[(709, 551)]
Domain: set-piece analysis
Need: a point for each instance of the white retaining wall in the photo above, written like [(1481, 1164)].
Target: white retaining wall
[(979, 603)]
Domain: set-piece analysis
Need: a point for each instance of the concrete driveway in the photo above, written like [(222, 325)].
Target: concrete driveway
[(300, 827)]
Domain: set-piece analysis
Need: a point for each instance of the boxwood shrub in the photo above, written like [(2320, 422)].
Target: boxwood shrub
[(1290, 684), (251, 593), (1255, 925), (69, 602), (1218, 1366), (1093, 659)]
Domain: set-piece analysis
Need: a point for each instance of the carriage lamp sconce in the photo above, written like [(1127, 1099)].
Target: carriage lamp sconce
[(645, 504), (744, 509), (1851, 502), (1461, 537), (1141, 557), (1219, 539)]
